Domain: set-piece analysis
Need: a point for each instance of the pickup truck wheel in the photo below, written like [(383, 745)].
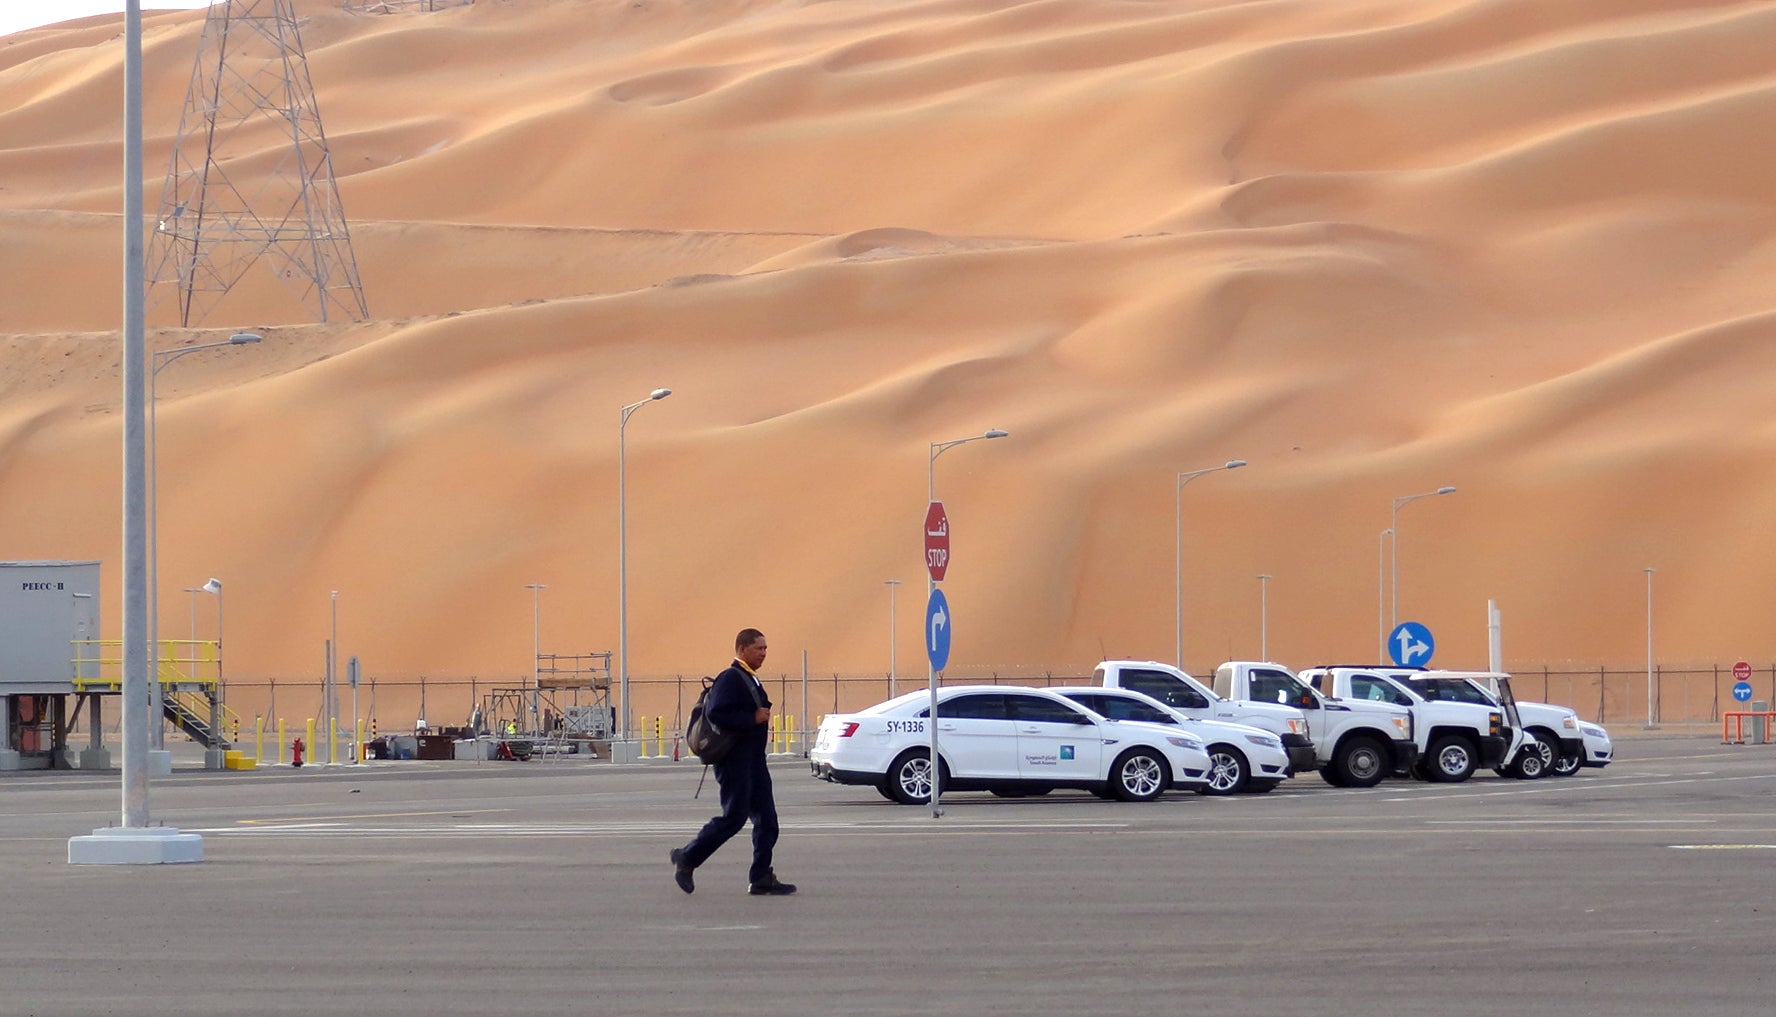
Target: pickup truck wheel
[(1452, 759), (909, 778), (1566, 766), (1138, 776), (1361, 762), (1329, 774), (1229, 773)]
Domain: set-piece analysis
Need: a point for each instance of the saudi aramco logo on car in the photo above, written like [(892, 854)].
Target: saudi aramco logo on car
[(1066, 752)]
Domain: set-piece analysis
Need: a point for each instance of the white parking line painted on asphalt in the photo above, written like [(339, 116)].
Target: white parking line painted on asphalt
[(1574, 821), (632, 829), (1723, 847), (1541, 787)]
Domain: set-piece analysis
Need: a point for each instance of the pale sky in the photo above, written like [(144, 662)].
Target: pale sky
[(18, 15)]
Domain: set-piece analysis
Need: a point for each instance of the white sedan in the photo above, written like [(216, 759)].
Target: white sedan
[(1241, 757), (1004, 739)]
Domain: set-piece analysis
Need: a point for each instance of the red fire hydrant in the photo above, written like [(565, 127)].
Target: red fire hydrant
[(296, 752)]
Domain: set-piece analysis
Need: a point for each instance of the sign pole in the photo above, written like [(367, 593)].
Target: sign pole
[(937, 563)]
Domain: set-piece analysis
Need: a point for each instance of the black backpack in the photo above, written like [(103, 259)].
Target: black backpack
[(707, 742)]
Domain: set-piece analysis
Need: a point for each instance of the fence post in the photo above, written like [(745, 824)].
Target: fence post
[(1602, 688)]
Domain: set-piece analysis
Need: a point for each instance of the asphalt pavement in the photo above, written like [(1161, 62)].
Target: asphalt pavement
[(422, 888)]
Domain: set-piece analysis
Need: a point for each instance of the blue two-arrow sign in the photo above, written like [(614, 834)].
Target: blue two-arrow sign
[(1411, 645), (937, 630)]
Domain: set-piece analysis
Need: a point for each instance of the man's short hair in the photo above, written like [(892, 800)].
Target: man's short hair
[(746, 638)]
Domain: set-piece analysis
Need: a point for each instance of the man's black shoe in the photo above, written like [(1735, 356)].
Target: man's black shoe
[(681, 873), (771, 887)]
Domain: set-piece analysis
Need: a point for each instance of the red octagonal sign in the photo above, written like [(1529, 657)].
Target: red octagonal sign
[(1742, 671), (937, 541)]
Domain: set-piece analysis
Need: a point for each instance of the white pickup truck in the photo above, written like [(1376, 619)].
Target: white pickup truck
[(1192, 698), (1356, 742), (1454, 737), (1565, 747)]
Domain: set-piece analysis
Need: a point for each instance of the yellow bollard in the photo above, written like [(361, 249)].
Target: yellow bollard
[(282, 743), (358, 747), (258, 737), (660, 737), (314, 754)]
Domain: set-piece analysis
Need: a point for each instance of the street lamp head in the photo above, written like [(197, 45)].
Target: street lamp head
[(1234, 464), (213, 586), (1445, 490), (242, 338), (659, 393), (994, 432)]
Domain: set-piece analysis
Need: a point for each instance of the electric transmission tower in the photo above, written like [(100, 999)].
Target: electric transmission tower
[(251, 179)]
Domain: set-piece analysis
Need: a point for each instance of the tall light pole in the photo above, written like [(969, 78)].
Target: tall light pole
[(938, 448), (332, 691), (1394, 528), (213, 758), (156, 708), (133, 842), (1381, 595), (1652, 715), (623, 556), (1178, 557), (536, 647), (1263, 617), (891, 584)]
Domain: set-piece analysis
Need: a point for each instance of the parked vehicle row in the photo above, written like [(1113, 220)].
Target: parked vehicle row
[(1143, 727)]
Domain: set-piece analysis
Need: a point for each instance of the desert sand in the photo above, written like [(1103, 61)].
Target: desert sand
[(1373, 247)]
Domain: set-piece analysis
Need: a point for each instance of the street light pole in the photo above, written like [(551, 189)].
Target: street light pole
[(1178, 552), (156, 709), (623, 557), (536, 647), (938, 448), (1394, 529), (1263, 617), (1652, 715), (1381, 593), (332, 707), (891, 584), (213, 759)]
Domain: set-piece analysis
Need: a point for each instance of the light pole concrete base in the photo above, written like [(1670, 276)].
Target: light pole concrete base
[(123, 845), (95, 759), (160, 762), (215, 759), (625, 752)]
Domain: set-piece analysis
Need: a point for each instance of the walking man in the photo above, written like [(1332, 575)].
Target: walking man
[(737, 703)]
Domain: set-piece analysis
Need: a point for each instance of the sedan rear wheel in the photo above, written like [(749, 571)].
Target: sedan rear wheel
[(909, 779), (1138, 776)]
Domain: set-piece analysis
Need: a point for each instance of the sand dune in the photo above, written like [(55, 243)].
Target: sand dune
[(1373, 247)]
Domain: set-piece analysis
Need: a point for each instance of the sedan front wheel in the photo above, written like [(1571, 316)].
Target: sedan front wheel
[(1138, 776)]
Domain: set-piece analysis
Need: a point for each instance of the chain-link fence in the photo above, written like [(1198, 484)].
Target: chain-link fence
[(1693, 696)]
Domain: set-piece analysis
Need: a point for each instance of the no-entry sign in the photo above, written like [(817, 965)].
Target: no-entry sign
[(937, 541)]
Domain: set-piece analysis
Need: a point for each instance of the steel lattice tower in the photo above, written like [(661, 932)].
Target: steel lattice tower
[(251, 177)]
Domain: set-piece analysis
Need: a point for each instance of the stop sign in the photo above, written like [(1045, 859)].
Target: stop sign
[(1742, 671), (937, 541)]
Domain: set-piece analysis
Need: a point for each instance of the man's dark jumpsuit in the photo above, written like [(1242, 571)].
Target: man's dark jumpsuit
[(744, 777)]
